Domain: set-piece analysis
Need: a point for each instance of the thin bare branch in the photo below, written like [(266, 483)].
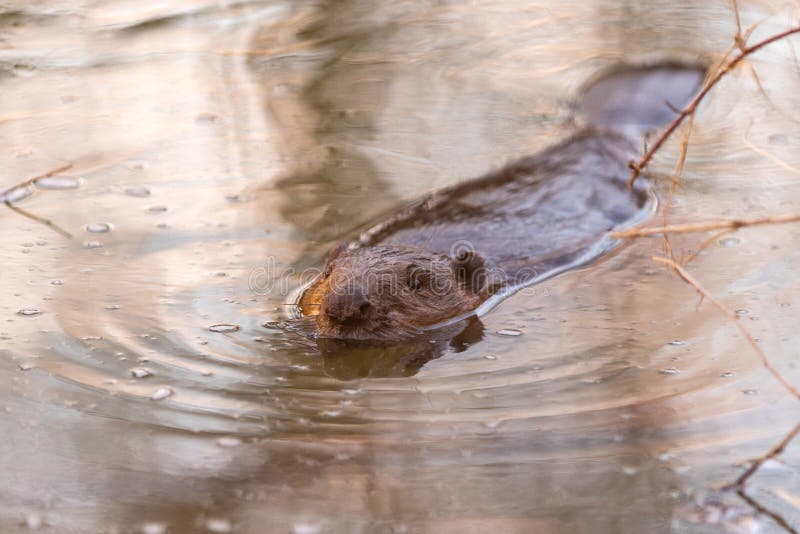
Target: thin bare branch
[(30, 181), (683, 273), (42, 220), (732, 224), (29, 215), (638, 166), (773, 452)]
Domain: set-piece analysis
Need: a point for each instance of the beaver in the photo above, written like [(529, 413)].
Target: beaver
[(457, 252)]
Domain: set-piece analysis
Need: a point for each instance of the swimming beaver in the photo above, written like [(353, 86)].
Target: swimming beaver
[(458, 251)]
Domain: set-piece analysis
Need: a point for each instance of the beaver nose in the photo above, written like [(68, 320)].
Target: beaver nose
[(351, 303)]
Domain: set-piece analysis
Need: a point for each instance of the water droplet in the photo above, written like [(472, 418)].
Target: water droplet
[(228, 441), (154, 528), (223, 328), (750, 391), (141, 372), (677, 343), (97, 228), (157, 209), (207, 116), (669, 371), (57, 182), (57, 282), (727, 375), (490, 357), (29, 312), (17, 194), (93, 244), (742, 312), (33, 521), (137, 191), (305, 528), (509, 332), (111, 306), (161, 394), (218, 525), (729, 242)]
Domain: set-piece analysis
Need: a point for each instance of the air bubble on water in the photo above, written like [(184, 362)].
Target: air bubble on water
[(57, 282), (29, 312), (729, 242), (218, 525), (33, 521), (57, 182), (111, 306), (228, 441), (509, 332), (161, 394), (772, 465), (25, 367), (92, 244), (305, 528), (223, 328), (490, 357), (141, 372), (157, 209), (97, 228), (137, 191), (750, 391), (677, 343), (742, 311), (669, 371), (727, 375), (154, 527), (272, 325), (17, 194)]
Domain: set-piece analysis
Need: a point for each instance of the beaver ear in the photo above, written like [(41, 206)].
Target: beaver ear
[(473, 272)]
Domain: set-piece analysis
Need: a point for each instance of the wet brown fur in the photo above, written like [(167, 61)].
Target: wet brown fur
[(391, 292)]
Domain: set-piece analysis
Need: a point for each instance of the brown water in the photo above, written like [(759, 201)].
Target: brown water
[(226, 142)]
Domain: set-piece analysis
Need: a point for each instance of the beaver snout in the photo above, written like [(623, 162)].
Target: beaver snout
[(349, 305)]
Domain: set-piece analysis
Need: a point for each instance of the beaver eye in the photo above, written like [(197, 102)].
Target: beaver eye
[(418, 279)]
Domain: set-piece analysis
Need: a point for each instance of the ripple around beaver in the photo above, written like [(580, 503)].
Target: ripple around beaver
[(536, 218)]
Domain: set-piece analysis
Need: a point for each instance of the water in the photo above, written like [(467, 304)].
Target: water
[(268, 130)]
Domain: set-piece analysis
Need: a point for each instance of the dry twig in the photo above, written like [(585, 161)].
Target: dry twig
[(730, 225), (683, 273), (29, 215), (638, 166)]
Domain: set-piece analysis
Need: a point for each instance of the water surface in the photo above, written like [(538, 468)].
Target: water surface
[(219, 145)]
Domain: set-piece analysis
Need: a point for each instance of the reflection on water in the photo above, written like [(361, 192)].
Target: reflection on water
[(212, 139)]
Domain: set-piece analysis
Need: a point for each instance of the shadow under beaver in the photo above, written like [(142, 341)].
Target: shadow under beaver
[(407, 288)]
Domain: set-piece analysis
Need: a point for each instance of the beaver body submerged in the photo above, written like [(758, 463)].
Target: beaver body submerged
[(458, 251)]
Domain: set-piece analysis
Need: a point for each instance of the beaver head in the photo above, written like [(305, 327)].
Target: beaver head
[(392, 292)]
